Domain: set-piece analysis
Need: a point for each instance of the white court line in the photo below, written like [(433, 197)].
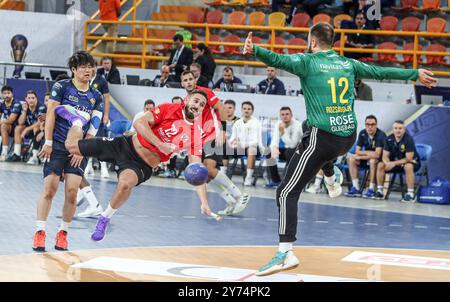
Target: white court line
[(346, 222), (371, 223), (231, 218), (300, 221), (395, 225), (271, 219), (141, 216), (421, 227), (249, 218), (189, 217), (321, 221), (165, 216), (444, 228)]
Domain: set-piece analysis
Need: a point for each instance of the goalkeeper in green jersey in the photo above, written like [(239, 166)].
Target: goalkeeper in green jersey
[(327, 82)]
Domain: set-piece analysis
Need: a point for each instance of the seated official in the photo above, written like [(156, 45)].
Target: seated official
[(271, 85)]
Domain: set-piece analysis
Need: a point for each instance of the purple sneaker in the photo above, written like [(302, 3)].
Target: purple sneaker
[(71, 114), (100, 228)]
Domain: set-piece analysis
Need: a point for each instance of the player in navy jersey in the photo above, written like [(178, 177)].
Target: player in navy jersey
[(26, 125), (38, 137), (9, 113), (77, 97)]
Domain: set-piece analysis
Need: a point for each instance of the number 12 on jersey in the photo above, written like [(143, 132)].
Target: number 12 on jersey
[(341, 82)]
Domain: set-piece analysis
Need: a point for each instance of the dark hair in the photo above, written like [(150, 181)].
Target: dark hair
[(324, 33), (371, 117), (149, 101), (198, 91), (62, 76), (7, 88), (248, 103), (105, 58), (399, 122), (286, 108), (231, 102), (207, 52), (187, 72), (229, 68), (178, 37), (80, 58), (177, 97), (197, 65), (47, 93), (32, 92)]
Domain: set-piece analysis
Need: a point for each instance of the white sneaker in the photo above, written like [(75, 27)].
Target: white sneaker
[(90, 212), (33, 161), (241, 204), (334, 190), (3, 158), (89, 170), (248, 182), (313, 190), (227, 211), (80, 198), (281, 261), (104, 173)]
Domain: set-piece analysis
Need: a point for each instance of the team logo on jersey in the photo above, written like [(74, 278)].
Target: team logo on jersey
[(172, 131), (95, 85), (157, 111), (92, 101), (402, 147), (73, 98)]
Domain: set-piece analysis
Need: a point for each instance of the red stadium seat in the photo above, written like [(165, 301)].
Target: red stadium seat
[(300, 20), (435, 60), (231, 50), (214, 17), (298, 42), (196, 16), (389, 23), (408, 59), (236, 18), (436, 25), (279, 41), (407, 5), (410, 24), (214, 48), (321, 18), (430, 5), (384, 57), (257, 19)]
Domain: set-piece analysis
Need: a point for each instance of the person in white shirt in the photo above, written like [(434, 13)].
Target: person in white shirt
[(149, 104), (227, 150), (286, 135), (246, 139)]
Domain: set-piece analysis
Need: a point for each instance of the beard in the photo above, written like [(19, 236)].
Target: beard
[(188, 113)]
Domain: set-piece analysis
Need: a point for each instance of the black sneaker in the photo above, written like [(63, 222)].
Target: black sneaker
[(378, 195), (408, 198), (14, 158)]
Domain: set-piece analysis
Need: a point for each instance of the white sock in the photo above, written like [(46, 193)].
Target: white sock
[(249, 173), (40, 225), (372, 186), (90, 197), (411, 192), (355, 183), (17, 149), (109, 212), (380, 189), (64, 226), (285, 247), (222, 192), (89, 163), (5, 151), (330, 180), (318, 180), (227, 184), (103, 166), (35, 153)]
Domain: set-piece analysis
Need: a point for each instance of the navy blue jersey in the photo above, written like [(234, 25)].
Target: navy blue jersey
[(66, 93), (274, 87), (42, 109), (6, 111), (32, 116), (370, 144), (100, 84), (398, 150)]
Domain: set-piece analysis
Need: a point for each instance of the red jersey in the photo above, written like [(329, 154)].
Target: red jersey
[(210, 116), (170, 126)]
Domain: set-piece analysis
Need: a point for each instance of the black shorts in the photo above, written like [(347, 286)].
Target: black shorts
[(60, 162), (401, 169), (120, 152), (102, 131), (210, 151)]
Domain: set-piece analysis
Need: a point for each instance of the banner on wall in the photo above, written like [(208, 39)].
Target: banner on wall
[(49, 37)]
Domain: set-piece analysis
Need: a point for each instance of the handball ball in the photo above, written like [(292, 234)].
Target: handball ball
[(196, 174)]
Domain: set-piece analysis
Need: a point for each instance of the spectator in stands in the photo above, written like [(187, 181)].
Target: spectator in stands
[(230, 105), (363, 6), (110, 10), (293, 7), (181, 57), (271, 85), (206, 61), (177, 100), (359, 40), (246, 139), (148, 105), (363, 91), (27, 124), (369, 148), (10, 110), (163, 78), (197, 71), (225, 83), (285, 137), (109, 71), (312, 7), (399, 155)]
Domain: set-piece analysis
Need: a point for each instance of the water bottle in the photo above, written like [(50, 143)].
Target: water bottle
[(389, 97), (412, 98)]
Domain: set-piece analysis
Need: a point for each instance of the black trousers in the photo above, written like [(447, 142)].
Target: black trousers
[(316, 151), (285, 154)]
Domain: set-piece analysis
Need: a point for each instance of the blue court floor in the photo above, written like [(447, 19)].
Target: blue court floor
[(170, 216)]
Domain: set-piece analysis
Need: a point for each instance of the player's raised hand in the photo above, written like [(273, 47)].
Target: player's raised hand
[(426, 78), (248, 46)]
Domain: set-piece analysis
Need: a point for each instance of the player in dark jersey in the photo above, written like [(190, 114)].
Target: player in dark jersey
[(38, 137), (27, 124), (77, 97), (212, 135), (9, 114), (162, 131)]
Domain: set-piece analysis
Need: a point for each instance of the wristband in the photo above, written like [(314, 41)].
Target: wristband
[(48, 142)]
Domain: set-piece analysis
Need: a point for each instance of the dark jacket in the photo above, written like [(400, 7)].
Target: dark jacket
[(276, 87), (157, 81), (185, 59), (208, 67), (113, 75), (223, 86)]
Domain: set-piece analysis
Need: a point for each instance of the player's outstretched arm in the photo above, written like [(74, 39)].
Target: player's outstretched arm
[(142, 127)]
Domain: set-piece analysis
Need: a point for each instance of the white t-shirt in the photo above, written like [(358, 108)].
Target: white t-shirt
[(291, 136), (247, 133)]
